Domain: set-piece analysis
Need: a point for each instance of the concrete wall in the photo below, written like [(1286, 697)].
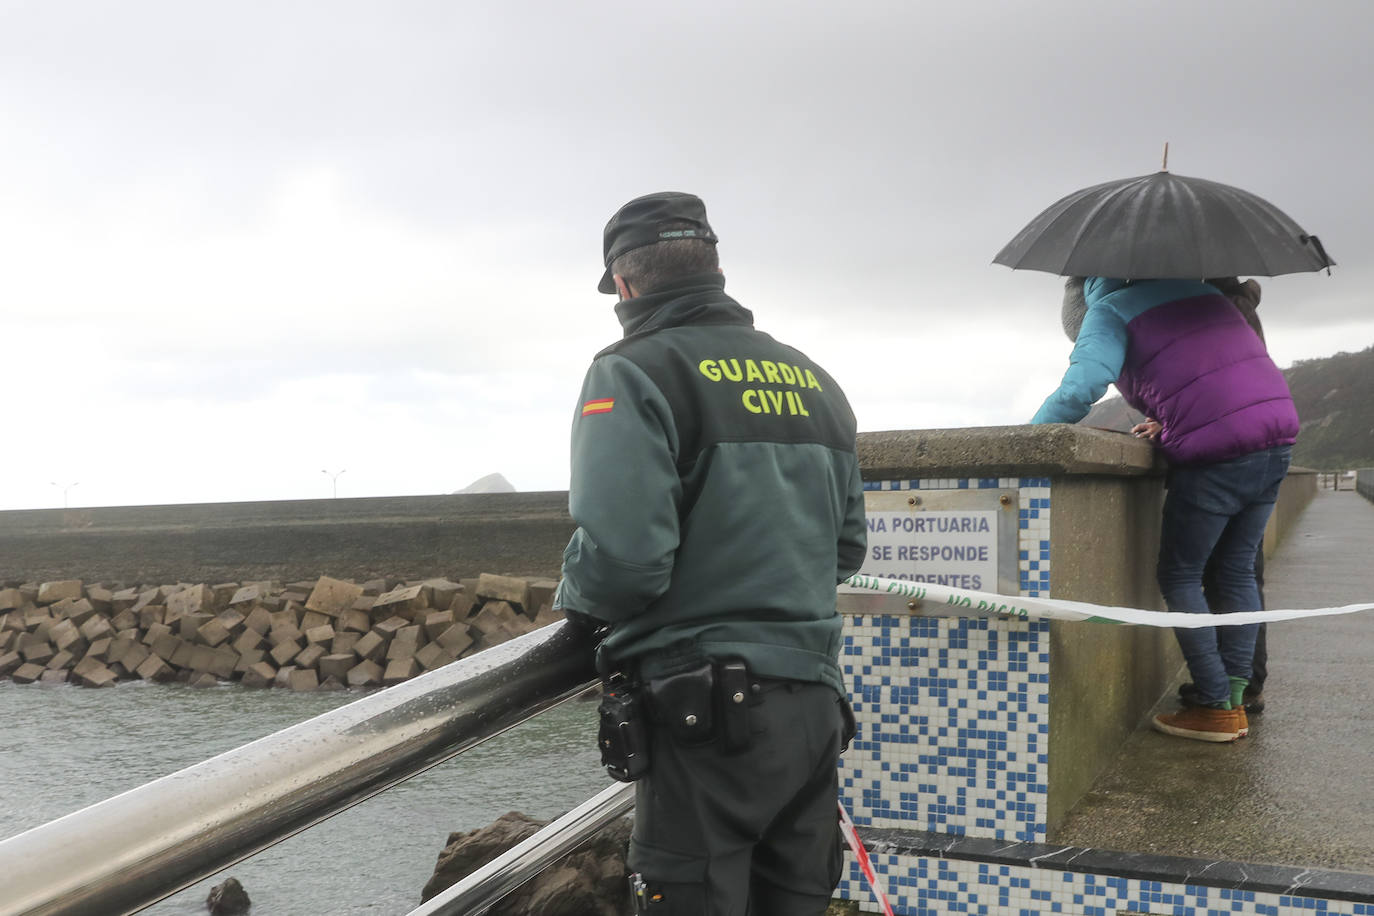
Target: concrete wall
[(1364, 483), (408, 537), (1107, 494)]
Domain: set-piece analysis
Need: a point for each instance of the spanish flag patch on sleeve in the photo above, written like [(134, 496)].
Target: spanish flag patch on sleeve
[(599, 405)]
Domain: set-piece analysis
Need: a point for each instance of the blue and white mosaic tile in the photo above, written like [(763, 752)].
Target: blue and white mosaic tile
[(953, 717), (920, 886), (953, 713)]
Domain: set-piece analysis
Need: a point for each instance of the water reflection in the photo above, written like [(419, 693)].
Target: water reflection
[(70, 747)]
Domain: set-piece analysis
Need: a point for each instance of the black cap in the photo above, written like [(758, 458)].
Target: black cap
[(653, 218)]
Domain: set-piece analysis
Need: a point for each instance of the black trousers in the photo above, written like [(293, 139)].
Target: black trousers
[(754, 832)]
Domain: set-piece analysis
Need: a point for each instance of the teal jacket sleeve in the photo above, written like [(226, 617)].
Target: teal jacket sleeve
[(1098, 356), (853, 542), (624, 496)]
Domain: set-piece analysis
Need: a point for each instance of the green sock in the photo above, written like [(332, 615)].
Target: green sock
[(1238, 685)]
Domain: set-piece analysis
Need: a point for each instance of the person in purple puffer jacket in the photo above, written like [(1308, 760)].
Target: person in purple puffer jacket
[(1181, 353)]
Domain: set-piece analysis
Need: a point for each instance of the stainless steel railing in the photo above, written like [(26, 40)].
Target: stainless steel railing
[(130, 851), (478, 891)]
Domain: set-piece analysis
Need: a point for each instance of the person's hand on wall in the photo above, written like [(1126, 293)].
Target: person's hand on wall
[(1148, 430)]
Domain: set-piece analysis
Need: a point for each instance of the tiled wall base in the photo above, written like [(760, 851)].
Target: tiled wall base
[(1102, 883), (953, 717)]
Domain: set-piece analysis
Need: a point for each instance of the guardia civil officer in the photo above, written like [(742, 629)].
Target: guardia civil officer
[(718, 501)]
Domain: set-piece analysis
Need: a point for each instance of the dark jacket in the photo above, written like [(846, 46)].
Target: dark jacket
[(716, 491)]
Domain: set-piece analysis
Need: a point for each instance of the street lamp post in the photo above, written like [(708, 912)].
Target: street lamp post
[(65, 488), (334, 479)]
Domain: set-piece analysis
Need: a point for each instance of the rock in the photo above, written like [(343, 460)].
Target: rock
[(398, 670), (546, 616), (248, 640), (154, 668), (196, 599), (98, 677), (10, 662), (541, 595), (61, 660), (456, 639), (259, 620), (433, 656), (402, 602), (320, 634), (260, 675), (95, 628), (53, 592), (354, 621), (38, 652), (246, 595), (27, 673), (248, 658), (310, 656), (442, 592), (365, 674), (343, 643), (405, 643), (332, 597), (77, 610), (135, 655), (188, 625), (371, 647), (310, 620), (284, 651), (228, 899), (504, 588), (590, 881), (337, 665), (500, 621), (213, 632), (436, 622)]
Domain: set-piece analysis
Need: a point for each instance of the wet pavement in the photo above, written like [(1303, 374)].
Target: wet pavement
[(1300, 790)]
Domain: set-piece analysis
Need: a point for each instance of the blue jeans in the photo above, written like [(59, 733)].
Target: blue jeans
[(1219, 511)]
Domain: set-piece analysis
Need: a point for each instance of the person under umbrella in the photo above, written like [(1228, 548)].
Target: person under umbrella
[(1180, 352)]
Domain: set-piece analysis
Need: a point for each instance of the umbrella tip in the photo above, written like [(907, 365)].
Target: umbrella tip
[(1165, 166)]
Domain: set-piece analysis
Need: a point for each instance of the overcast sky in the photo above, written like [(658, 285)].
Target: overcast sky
[(242, 244)]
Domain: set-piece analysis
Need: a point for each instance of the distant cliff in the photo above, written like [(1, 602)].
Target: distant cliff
[(1335, 401)]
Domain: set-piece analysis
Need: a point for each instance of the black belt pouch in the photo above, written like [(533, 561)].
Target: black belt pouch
[(683, 702)]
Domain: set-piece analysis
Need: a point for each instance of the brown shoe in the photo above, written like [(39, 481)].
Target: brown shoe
[(1242, 721), (1201, 723)]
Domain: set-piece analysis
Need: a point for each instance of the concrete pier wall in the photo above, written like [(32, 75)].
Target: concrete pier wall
[(1090, 504), (1364, 483), (410, 537)]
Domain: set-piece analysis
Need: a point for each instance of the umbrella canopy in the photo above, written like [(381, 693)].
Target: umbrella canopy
[(1164, 225)]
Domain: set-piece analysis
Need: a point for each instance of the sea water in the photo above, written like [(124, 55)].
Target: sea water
[(66, 747)]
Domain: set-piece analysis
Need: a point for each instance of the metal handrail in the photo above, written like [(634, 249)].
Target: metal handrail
[(480, 889), (128, 852)]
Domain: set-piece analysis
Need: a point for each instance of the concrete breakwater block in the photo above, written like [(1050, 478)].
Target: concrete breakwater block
[(322, 634)]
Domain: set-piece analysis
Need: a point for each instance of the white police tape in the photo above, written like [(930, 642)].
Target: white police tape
[(1021, 608)]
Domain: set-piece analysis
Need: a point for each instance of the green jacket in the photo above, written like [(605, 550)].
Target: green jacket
[(716, 490)]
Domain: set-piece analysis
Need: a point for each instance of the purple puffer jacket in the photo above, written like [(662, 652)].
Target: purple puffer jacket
[(1180, 352)]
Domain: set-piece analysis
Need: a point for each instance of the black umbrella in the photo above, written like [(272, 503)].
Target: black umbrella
[(1164, 225)]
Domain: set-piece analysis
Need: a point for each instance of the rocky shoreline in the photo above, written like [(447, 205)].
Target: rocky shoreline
[(321, 634)]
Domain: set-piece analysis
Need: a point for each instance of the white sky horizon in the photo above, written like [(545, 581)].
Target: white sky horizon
[(249, 248)]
